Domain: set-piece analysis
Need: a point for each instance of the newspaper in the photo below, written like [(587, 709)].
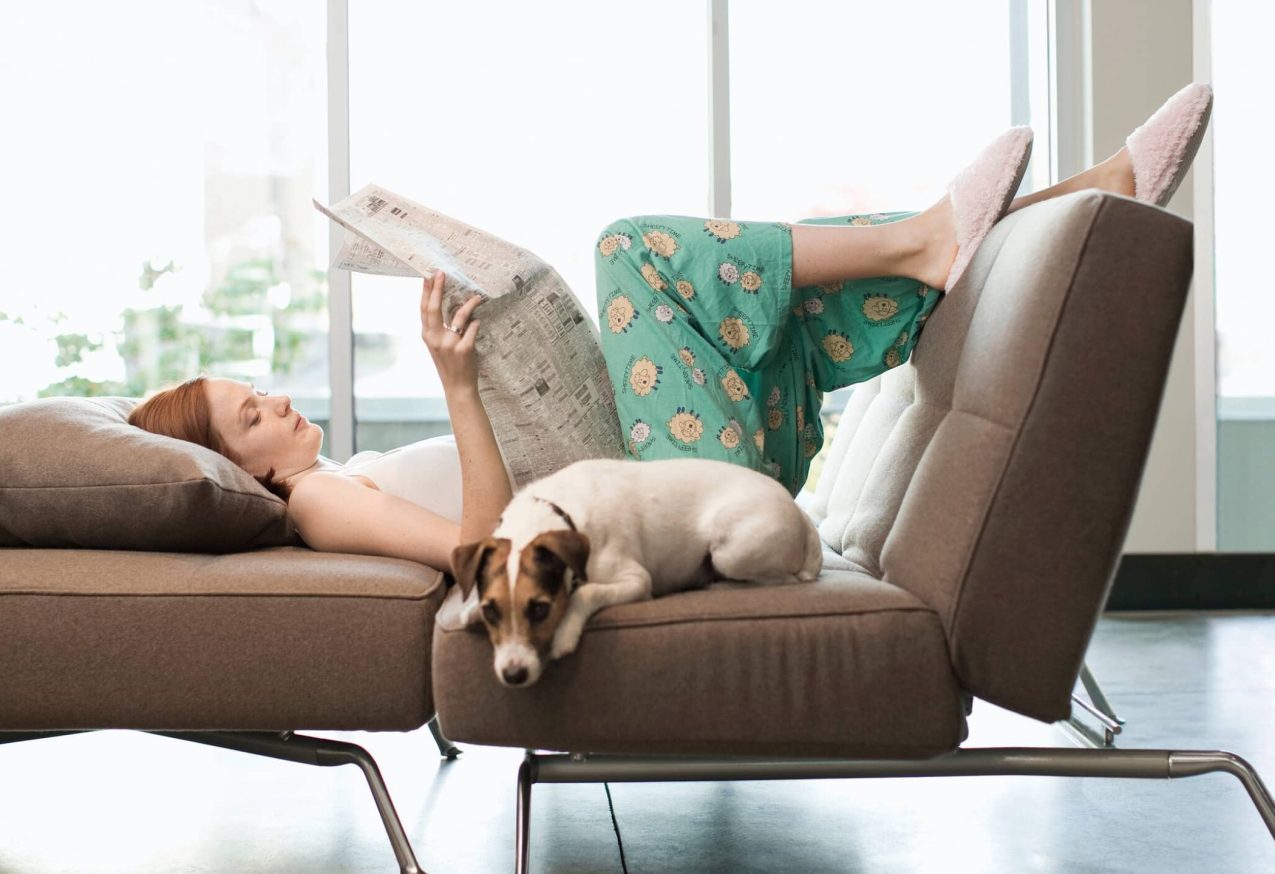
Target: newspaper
[(541, 374)]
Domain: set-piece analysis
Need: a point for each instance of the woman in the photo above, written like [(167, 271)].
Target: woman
[(341, 508), (420, 501)]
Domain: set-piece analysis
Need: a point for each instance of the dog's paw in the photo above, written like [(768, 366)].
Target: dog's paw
[(566, 638)]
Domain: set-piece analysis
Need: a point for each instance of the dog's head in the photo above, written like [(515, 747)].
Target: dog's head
[(522, 594)]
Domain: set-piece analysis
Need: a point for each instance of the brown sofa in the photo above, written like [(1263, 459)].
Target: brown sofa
[(150, 584), (973, 509), (974, 506)]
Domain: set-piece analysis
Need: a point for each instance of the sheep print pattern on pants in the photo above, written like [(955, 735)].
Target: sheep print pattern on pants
[(714, 354)]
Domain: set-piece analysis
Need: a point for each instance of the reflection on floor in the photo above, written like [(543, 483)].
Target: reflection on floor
[(128, 802)]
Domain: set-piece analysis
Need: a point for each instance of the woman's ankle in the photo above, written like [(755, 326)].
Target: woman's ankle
[(931, 244)]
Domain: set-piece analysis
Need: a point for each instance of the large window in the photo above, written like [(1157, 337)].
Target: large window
[(538, 122), (160, 159), (164, 177), (841, 108), (543, 122), (1245, 294), (852, 107)]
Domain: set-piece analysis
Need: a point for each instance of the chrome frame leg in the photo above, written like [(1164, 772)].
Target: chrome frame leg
[(1096, 695), (992, 761), (316, 751), (293, 748), (445, 747), (1190, 764), (1101, 710), (522, 822)]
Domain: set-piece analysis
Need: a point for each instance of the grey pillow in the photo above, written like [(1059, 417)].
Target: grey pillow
[(74, 473)]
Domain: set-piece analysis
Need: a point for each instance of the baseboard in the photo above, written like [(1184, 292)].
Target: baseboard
[(1194, 581)]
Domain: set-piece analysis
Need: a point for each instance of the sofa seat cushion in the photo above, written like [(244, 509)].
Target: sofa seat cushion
[(273, 639), (846, 666)]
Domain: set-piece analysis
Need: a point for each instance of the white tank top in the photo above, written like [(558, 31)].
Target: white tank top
[(426, 472)]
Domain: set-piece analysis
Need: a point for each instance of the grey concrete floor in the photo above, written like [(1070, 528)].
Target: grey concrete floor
[(129, 802)]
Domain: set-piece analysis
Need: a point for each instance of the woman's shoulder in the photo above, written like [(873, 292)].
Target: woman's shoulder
[(326, 484)]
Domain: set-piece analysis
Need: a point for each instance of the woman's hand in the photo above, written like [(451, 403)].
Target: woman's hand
[(453, 353)]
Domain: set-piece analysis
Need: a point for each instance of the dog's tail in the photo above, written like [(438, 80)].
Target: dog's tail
[(814, 552)]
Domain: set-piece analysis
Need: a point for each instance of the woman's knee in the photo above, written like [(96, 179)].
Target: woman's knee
[(626, 227)]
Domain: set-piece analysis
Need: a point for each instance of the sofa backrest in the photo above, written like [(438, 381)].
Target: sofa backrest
[(994, 474)]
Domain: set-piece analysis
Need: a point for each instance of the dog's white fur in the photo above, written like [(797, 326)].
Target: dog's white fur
[(650, 526)]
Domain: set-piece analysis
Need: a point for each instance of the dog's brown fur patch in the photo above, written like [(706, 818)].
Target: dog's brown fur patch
[(532, 610)]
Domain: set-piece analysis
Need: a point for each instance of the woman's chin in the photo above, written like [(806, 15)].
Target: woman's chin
[(314, 435)]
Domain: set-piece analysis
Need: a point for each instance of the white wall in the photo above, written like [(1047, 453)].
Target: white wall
[(1141, 53)]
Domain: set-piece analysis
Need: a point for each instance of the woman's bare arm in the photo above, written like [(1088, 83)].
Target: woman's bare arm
[(335, 513), (485, 486)]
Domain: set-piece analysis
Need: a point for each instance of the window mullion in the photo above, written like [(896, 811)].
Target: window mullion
[(340, 310), (718, 110)]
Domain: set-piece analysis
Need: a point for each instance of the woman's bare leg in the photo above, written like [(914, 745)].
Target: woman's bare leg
[(922, 247), (1114, 174), (829, 253)]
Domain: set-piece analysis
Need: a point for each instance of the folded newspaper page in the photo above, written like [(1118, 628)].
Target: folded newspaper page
[(541, 374)]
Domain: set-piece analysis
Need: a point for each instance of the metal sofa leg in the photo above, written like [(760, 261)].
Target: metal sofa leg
[(522, 825), (1100, 709), (987, 762), (445, 747), (1096, 695), (1191, 764), (316, 751)]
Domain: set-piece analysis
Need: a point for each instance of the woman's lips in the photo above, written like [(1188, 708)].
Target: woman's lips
[(300, 421)]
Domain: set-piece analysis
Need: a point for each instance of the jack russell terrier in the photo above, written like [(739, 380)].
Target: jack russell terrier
[(609, 531)]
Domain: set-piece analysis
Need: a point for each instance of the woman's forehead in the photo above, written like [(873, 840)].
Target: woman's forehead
[(230, 387), (225, 396)]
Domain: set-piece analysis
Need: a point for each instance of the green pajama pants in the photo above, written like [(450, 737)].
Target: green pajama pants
[(714, 354)]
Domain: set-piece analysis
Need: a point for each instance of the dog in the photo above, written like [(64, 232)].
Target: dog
[(601, 532)]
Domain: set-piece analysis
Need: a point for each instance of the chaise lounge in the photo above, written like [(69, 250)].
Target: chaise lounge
[(973, 509)]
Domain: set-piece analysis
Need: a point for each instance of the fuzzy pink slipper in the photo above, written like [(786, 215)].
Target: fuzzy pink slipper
[(1163, 147), (982, 192)]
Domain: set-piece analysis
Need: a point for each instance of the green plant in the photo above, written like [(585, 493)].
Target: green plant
[(162, 344)]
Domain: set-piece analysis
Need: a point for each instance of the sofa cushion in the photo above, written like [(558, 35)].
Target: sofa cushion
[(269, 640), (74, 473), (847, 665)]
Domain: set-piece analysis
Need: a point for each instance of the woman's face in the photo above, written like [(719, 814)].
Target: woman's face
[(260, 431)]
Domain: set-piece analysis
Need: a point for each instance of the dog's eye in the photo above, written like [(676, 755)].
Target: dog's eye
[(537, 611), (491, 612), (546, 556)]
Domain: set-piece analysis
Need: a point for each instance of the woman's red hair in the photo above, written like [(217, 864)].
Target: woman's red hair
[(183, 412)]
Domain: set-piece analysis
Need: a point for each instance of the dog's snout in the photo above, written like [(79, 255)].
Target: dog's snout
[(517, 664)]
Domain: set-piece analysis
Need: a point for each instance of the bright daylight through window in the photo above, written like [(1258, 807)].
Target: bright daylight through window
[(166, 223), (177, 179)]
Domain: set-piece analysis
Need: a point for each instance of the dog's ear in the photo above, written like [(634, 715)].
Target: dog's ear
[(571, 547), (467, 562)]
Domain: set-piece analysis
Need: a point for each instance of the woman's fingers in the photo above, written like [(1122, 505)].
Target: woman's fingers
[(465, 343), (432, 301), (432, 321), (436, 294), (463, 312), (467, 308)]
